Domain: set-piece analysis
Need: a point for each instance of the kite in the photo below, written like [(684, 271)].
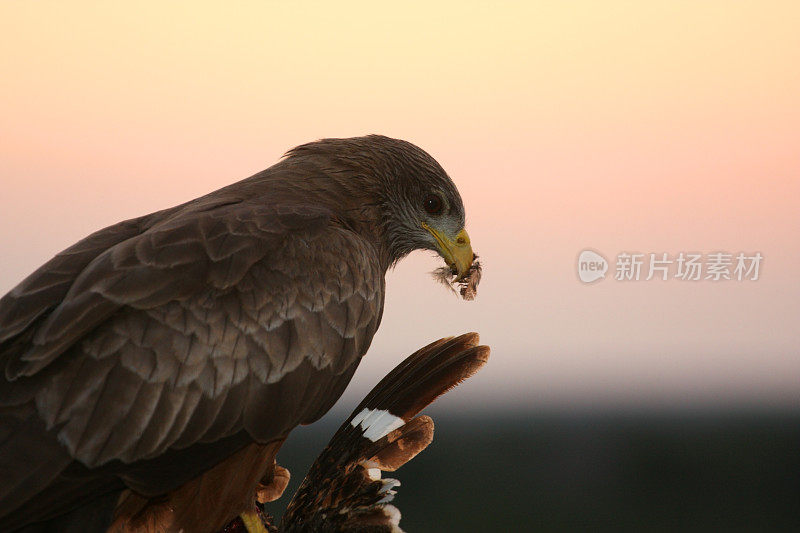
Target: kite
[(150, 372)]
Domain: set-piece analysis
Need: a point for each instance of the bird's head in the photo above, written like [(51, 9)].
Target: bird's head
[(423, 209), (402, 191)]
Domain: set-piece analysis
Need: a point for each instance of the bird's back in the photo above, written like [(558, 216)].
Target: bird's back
[(155, 349)]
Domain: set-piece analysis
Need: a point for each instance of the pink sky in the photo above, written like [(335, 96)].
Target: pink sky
[(614, 126)]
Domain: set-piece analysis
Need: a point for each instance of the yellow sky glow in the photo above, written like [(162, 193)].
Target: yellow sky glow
[(620, 126)]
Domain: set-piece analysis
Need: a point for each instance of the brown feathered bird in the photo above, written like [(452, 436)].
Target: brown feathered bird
[(150, 372)]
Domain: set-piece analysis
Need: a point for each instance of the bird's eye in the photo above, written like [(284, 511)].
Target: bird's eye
[(433, 204)]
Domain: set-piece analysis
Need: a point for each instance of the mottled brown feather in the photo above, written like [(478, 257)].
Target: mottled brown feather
[(339, 494), (175, 361)]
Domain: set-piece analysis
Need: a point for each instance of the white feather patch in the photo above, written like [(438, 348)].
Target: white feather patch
[(389, 496), (388, 485), (376, 423), (393, 513)]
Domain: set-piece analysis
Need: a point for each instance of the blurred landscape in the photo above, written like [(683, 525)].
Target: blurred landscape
[(714, 470)]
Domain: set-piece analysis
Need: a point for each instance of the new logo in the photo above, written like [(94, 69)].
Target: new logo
[(591, 266)]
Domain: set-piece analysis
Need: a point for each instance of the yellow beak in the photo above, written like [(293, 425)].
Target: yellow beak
[(457, 253)]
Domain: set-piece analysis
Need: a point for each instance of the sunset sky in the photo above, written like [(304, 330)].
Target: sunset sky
[(615, 126)]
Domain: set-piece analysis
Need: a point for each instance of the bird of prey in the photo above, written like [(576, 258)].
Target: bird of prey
[(150, 372), (344, 490)]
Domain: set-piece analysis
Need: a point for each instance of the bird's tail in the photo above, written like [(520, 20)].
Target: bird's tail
[(343, 490)]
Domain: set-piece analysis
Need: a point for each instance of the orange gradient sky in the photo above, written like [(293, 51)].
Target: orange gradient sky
[(618, 126)]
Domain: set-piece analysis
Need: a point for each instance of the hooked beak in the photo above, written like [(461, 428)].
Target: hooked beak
[(457, 252)]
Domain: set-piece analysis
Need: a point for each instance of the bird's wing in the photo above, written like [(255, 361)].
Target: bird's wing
[(40, 292), (240, 317), (343, 490), (38, 295)]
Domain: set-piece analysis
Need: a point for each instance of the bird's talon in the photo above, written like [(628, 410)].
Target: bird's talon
[(272, 486)]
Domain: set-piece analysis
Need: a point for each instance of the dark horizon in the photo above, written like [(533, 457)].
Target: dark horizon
[(590, 469)]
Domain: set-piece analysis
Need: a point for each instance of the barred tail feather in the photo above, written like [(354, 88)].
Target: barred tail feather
[(344, 489)]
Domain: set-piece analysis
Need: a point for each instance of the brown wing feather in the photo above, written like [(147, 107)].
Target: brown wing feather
[(39, 292), (340, 493), (193, 330)]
